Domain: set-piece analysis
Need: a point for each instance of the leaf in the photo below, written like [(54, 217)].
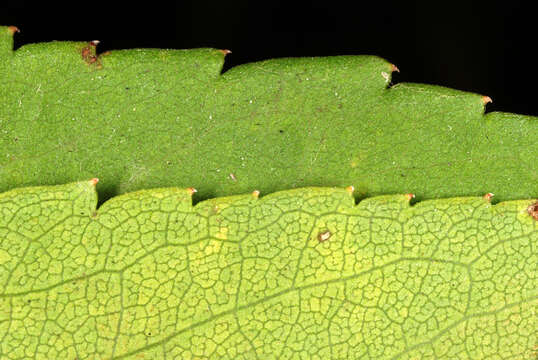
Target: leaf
[(302, 273), (299, 273), (152, 118)]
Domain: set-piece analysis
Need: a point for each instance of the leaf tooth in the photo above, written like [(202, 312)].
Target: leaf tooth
[(394, 68), (489, 196), (191, 190), (409, 196), (256, 194), (94, 181), (350, 189), (6, 40), (225, 51), (486, 100), (13, 29)]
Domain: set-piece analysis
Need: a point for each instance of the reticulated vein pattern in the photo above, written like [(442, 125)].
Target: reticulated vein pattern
[(298, 274)]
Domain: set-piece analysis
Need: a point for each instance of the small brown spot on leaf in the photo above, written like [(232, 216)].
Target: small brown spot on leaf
[(86, 52), (533, 210), (89, 55), (324, 236)]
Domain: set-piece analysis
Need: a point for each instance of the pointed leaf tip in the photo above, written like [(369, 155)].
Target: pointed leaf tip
[(486, 100), (394, 68), (225, 51)]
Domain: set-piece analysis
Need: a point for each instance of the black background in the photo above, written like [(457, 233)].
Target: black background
[(480, 46)]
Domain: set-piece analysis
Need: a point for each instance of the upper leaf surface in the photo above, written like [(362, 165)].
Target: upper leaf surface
[(152, 118)]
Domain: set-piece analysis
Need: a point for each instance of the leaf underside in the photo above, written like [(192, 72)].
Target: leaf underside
[(303, 273), (147, 118)]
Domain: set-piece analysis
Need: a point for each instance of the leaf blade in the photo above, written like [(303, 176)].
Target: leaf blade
[(150, 274), (154, 118)]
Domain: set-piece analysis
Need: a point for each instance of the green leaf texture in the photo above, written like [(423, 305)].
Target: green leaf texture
[(157, 118), (298, 274)]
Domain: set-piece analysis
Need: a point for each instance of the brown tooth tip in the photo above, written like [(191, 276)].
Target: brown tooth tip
[(488, 196), (394, 68), (191, 190), (13, 29), (94, 181), (410, 196), (94, 42), (486, 99), (350, 189), (225, 51), (256, 193)]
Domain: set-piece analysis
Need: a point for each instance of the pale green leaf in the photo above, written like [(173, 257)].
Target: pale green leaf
[(302, 274)]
